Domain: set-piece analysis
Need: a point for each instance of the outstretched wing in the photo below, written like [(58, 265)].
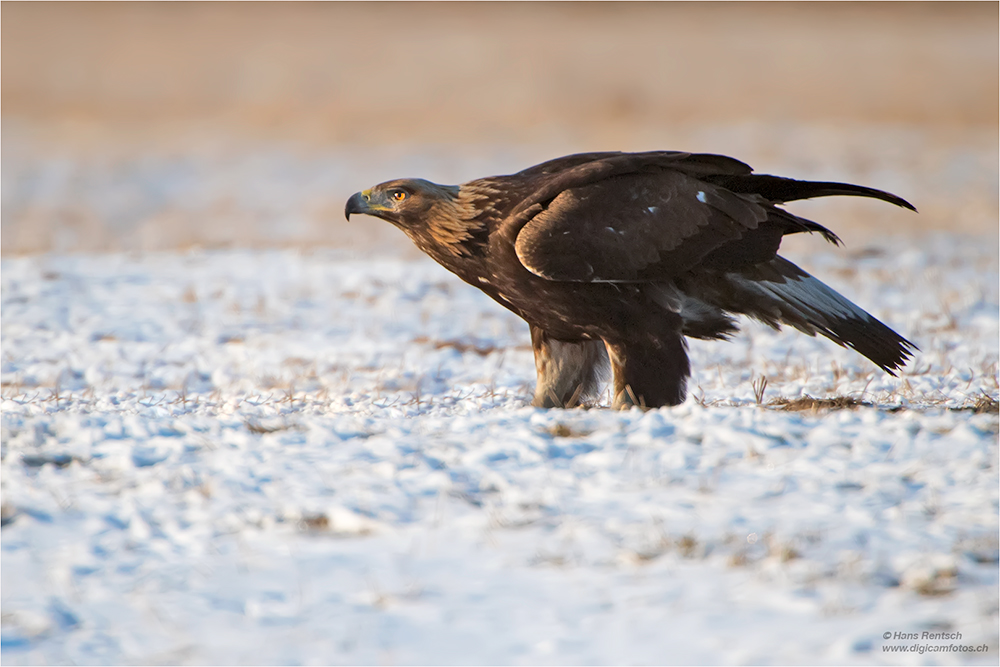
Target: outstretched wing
[(643, 226)]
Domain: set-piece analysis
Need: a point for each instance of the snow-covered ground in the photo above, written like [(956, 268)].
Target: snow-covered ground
[(287, 457)]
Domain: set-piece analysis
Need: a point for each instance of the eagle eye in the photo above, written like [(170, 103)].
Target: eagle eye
[(398, 195)]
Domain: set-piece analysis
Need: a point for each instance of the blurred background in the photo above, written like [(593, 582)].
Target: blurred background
[(165, 126)]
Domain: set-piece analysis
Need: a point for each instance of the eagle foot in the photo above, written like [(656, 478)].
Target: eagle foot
[(627, 399)]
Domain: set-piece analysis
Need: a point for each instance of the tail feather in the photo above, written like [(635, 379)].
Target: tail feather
[(779, 292), (778, 189)]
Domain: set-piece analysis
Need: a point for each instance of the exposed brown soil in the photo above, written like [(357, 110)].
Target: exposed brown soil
[(387, 72)]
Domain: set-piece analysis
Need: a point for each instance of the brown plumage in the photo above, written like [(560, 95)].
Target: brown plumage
[(616, 257)]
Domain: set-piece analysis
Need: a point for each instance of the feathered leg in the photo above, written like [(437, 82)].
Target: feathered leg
[(650, 375), (568, 373)]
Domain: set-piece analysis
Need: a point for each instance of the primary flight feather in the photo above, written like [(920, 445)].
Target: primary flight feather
[(616, 257)]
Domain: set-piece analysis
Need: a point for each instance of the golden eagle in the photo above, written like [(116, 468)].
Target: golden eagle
[(618, 256)]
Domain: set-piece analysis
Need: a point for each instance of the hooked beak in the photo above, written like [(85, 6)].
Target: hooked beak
[(358, 203)]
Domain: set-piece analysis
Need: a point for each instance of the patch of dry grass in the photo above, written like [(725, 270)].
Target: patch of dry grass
[(813, 404), (566, 431), (983, 403), (460, 346), (259, 428)]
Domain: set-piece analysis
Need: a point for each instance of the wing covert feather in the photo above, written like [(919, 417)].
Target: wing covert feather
[(634, 227)]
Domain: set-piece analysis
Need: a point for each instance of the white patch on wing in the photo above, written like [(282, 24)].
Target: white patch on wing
[(651, 209), (701, 196), (484, 280)]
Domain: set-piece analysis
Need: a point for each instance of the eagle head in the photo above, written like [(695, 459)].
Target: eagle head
[(405, 202), (440, 219)]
